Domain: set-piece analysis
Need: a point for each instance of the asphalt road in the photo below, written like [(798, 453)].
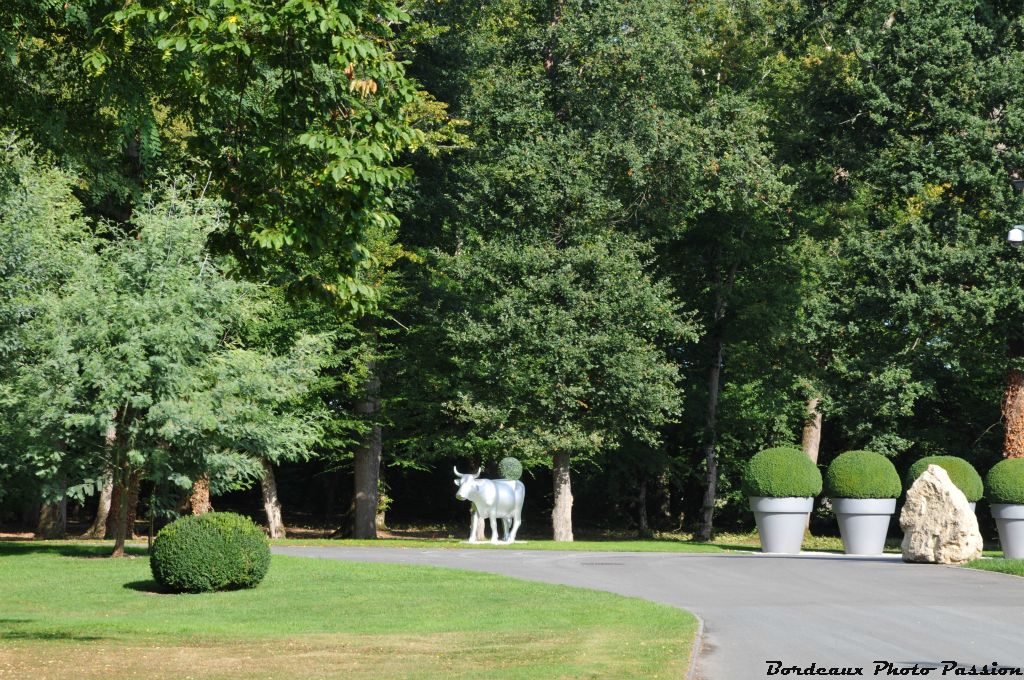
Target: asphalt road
[(829, 610)]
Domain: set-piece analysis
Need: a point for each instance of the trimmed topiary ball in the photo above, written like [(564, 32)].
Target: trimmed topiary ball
[(215, 551), (862, 474), (782, 473), (959, 470), (1005, 482), (510, 468)]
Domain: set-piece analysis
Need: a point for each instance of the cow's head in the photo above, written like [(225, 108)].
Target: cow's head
[(466, 483)]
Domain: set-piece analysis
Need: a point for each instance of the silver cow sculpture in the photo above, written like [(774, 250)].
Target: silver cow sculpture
[(492, 498)]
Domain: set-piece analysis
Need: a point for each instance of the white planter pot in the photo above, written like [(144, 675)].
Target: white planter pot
[(864, 523), (1010, 521), (781, 522)]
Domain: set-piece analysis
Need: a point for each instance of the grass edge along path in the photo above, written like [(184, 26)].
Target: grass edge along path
[(723, 543), (67, 612), (998, 564)]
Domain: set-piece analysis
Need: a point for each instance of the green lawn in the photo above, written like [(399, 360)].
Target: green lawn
[(65, 611), (1000, 564), (667, 543)]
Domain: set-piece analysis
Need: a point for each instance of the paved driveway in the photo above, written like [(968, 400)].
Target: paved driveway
[(829, 610)]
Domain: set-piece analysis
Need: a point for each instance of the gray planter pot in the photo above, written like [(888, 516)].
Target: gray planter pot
[(863, 523), (781, 522), (1010, 521)]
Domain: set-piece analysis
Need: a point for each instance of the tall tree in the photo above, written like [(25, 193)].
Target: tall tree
[(556, 353), (298, 109), (138, 345)]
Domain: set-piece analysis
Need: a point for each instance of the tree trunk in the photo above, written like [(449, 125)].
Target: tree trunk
[(200, 499), (53, 516), (98, 529), (134, 484), (1013, 415), (122, 481), (481, 525), (811, 440), (382, 500), (271, 502), (115, 503), (665, 497), (643, 528), (561, 514), (707, 531), (367, 463)]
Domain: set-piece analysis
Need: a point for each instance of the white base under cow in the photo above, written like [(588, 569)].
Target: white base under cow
[(495, 499)]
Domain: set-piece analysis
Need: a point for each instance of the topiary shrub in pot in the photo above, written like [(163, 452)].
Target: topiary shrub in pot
[(863, 487), (781, 484), (1005, 486), (215, 551), (960, 472)]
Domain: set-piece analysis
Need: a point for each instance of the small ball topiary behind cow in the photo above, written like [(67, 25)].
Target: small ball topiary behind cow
[(492, 498)]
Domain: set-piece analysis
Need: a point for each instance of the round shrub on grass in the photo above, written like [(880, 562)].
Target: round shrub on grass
[(959, 470), (215, 551), (510, 468), (1005, 482), (782, 473), (862, 474)]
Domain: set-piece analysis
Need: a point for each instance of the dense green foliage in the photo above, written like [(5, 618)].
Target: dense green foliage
[(215, 551), (782, 472), (630, 242), (1005, 482), (510, 468), (961, 473), (862, 474)]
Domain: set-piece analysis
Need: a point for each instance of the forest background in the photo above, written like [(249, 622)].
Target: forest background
[(329, 249)]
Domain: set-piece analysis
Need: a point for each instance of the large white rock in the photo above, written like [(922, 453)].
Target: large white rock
[(938, 524)]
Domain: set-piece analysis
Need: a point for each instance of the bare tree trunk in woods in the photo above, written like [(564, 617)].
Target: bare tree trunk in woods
[(481, 525), (271, 502), (707, 531), (642, 526), (381, 520), (122, 480), (98, 528), (665, 497), (367, 463), (115, 503), (1013, 405), (200, 499), (561, 514), (134, 483), (53, 516), (811, 440), (102, 526)]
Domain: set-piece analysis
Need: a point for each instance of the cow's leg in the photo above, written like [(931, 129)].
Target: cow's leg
[(506, 525), (494, 525), (516, 521), (473, 523)]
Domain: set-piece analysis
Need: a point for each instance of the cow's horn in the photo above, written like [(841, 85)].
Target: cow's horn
[(457, 473), (478, 472)]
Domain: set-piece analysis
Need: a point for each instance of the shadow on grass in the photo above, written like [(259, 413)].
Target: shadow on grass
[(44, 634), (148, 586), (60, 635), (64, 549)]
